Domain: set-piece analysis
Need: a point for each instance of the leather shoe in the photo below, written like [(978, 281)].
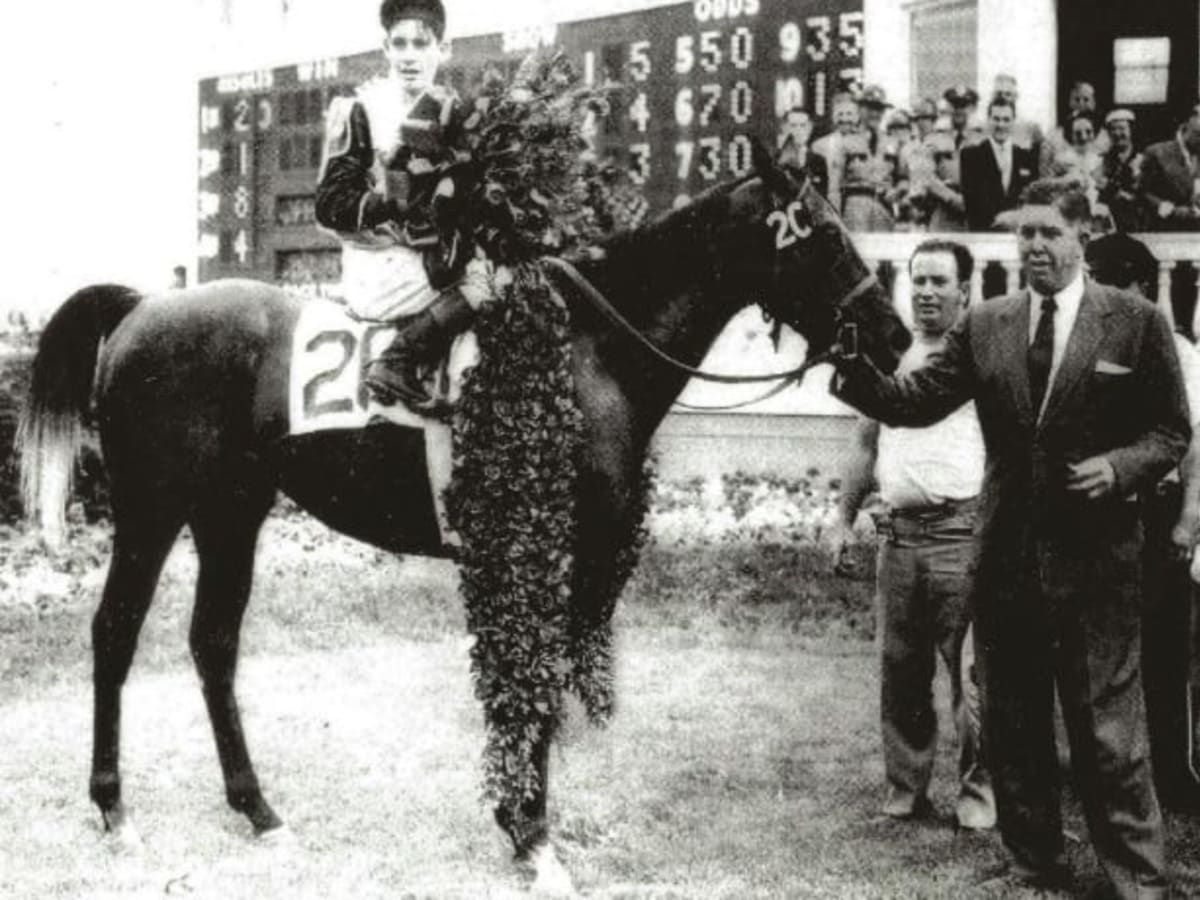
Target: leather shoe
[(1014, 876), (900, 805)]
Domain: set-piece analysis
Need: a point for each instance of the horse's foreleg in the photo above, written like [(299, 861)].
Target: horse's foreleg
[(527, 827), (138, 555), (225, 542), (525, 824)]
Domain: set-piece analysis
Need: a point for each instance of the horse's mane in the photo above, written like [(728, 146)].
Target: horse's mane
[(690, 238)]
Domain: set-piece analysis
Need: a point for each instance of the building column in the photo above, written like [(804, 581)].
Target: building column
[(1021, 39)]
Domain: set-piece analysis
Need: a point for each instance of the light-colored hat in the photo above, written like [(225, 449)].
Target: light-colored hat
[(875, 96), (1120, 115)]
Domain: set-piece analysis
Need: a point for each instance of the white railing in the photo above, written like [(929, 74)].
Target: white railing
[(746, 346), (1169, 249)]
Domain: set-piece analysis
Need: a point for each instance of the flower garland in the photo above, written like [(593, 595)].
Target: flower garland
[(518, 431), (512, 500), (535, 187)]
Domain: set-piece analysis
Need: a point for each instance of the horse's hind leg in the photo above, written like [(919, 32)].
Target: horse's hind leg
[(226, 532), (140, 546)]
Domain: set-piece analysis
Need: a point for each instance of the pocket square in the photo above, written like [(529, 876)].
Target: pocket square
[(1104, 367)]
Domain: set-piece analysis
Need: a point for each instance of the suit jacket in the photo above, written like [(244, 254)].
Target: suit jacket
[(983, 191), (814, 166), (1166, 177), (1118, 393)]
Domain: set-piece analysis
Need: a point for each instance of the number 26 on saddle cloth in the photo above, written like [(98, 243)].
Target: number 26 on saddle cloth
[(330, 351)]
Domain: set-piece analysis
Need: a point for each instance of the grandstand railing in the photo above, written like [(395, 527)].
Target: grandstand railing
[(1171, 250)]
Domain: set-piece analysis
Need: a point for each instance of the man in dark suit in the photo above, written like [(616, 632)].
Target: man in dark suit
[(1082, 407), (795, 131), (995, 172), (1171, 179)]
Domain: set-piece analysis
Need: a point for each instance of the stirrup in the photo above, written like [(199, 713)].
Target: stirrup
[(389, 387)]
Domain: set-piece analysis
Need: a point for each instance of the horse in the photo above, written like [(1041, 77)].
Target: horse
[(188, 391)]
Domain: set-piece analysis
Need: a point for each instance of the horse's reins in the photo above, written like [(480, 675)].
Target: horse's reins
[(785, 378)]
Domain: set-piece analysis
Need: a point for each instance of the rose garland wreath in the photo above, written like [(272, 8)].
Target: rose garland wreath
[(517, 431)]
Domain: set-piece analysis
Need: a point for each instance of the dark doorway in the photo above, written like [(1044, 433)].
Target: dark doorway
[(1087, 34)]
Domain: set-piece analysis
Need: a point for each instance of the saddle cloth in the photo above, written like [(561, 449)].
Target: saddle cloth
[(329, 354)]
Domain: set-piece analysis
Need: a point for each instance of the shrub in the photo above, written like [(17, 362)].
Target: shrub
[(91, 484)]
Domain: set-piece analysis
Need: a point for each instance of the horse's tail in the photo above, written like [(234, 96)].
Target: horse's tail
[(60, 392)]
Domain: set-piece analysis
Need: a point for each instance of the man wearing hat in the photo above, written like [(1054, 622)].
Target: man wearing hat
[(1120, 171), (381, 177), (879, 170), (872, 103), (924, 116), (963, 101)]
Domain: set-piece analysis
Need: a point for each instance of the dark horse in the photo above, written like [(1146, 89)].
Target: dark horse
[(189, 394)]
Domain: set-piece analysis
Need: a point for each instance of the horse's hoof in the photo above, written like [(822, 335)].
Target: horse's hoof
[(550, 877), (279, 838), (123, 839)]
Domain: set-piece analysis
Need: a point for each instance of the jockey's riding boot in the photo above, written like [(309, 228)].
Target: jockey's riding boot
[(396, 373)]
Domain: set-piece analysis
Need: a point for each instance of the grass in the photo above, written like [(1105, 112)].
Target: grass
[(743, 761)]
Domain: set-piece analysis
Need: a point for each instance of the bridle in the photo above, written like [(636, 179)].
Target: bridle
[(842, 330)]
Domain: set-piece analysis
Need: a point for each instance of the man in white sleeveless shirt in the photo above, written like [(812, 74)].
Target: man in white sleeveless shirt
[(928, 479)]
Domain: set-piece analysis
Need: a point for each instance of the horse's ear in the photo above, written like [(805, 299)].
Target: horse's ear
[(773, 176)]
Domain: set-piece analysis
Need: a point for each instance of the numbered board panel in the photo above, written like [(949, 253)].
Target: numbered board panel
[(703, 77)]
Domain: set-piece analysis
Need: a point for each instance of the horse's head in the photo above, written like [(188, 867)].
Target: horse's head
[(809, 272)]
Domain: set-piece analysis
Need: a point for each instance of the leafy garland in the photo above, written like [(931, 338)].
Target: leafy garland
[(518, 432), (536, 189)]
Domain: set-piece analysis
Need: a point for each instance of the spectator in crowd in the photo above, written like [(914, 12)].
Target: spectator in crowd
[(872, 106), (1081, 404), (1081, 101), (924, 115), (864, 193), (844, 113), (1079, 158), (1170, 182), (1024, 133), (900, 153), (929, 481), (962, 102), (1120, 173), (995, 172), (793, 150), (940, 197), (1171, 529)]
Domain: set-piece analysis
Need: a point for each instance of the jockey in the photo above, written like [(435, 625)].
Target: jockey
[(384, 190)]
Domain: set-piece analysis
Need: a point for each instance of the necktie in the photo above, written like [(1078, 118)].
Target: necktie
[(1041, 353)]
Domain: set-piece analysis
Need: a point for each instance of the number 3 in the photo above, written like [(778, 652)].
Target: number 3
[(787, 226)]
